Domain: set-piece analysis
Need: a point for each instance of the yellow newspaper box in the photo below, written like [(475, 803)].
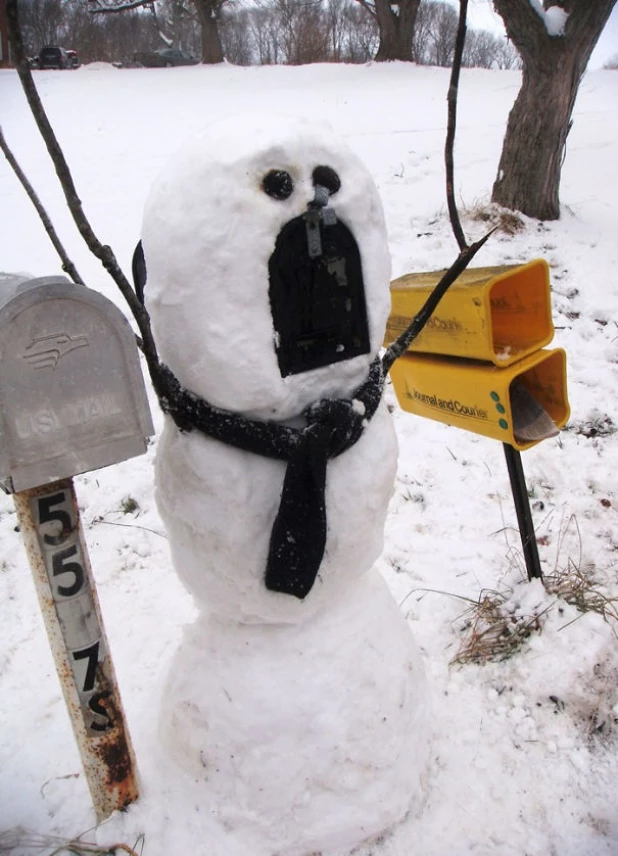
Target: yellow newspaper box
[(520, 405), (495, 314)]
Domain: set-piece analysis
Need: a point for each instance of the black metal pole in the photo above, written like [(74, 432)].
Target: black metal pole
[(524, 515)]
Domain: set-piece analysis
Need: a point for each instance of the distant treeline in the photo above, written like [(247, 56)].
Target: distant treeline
[(263, 32)]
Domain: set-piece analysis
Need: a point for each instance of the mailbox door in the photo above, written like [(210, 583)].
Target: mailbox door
[(317, 304)]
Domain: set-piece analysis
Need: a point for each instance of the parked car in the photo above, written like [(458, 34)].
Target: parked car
[(164, 58), (51, 56), (73, 59)]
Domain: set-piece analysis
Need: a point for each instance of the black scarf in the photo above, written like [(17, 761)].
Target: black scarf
[(298, 536)]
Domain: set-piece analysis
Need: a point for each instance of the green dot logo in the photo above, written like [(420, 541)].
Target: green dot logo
[(500, 408)]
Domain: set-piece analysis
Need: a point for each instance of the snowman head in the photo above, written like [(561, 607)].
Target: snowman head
[(267, 266)]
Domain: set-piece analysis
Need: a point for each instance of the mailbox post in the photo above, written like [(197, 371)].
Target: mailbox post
[(73, 400)]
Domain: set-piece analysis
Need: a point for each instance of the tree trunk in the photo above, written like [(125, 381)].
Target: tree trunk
[(396, 25), (534, 145), (532, 153), (212, 49)]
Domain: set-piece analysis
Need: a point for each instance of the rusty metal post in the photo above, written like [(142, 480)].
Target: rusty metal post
[(52, 533)]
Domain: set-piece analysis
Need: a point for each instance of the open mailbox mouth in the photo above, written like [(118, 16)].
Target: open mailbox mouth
[(520, 404), (317, 302)]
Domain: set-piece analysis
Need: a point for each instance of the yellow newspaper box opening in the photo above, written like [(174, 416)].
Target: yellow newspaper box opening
[(498, 314), (521, 404)]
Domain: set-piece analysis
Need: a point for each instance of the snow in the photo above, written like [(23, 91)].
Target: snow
[(555, 20), (522, 751), (278, 734), (554, 17)]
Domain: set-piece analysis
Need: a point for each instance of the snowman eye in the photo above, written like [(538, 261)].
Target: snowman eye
[(278, 184), (326, 177)]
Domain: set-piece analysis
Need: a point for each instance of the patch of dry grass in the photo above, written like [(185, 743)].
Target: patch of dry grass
[(493, 631), (495, 628), (41, 844), (577, 582), (503, 220), (579, 587)]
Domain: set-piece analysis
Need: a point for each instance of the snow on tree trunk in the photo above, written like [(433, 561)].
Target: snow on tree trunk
[(554, 62)]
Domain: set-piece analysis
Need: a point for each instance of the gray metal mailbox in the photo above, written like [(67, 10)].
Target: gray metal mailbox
[(72, 396), (72, 399)]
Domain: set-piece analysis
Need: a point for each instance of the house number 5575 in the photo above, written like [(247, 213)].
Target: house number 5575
[(58, 536)]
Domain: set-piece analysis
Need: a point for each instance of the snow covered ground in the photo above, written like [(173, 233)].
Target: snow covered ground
[(523, 751)]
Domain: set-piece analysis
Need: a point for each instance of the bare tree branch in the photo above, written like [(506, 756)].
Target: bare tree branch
[(452, 125), (368, 7), (533, 35), (102, 252), (466, 252), (67, 264)]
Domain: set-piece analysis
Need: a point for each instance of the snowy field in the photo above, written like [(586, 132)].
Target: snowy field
[(524, 751)]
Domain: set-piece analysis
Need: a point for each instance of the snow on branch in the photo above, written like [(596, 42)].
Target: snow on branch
[(554, 18), (107, 6)]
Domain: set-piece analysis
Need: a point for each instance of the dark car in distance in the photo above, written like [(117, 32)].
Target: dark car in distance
[(52, 56), (164, 58)]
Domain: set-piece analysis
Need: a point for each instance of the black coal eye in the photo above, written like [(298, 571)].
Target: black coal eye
[(326, 177), (278, 184)]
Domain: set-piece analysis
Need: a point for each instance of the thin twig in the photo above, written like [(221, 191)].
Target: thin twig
[(22, 839), (451, 127), (96, 522), (67, 264), (438, 591), (80, 848)]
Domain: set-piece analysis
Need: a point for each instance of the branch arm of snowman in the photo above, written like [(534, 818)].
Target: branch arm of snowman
[(401, 345), (331, 426), (104, 253)]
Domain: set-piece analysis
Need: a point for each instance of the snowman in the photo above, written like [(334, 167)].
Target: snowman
[(295, 704)]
